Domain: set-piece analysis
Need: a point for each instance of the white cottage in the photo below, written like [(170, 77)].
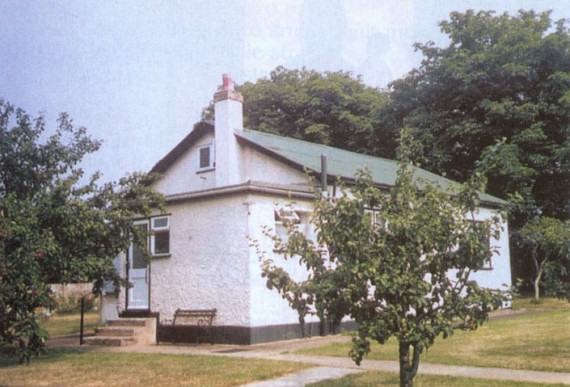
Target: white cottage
[(222, 183)]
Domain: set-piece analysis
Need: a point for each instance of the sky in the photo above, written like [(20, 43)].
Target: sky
[(137, 73)]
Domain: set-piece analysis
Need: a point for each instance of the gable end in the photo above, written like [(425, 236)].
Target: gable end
[(166, 162)]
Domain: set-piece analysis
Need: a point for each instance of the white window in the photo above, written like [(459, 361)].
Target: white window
[(285, 217), (488, 264), (160, 236), (205, 158)]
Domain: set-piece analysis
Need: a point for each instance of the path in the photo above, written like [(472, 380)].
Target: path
[(326, 367)]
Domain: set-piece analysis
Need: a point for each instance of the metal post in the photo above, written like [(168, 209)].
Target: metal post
[(324, 173), (81, 324)]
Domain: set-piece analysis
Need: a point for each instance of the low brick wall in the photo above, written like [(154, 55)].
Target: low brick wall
[(75, 289)]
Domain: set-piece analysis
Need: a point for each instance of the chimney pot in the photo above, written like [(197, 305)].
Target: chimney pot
[(227, 90), (227, 82)]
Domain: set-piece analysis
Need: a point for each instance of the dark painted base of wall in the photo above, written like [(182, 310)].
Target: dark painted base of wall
[(243, 335), (138, 314)]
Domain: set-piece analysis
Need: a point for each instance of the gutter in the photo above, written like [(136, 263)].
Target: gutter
[(247, 187)]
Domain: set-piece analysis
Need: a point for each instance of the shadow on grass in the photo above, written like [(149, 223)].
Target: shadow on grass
[(55, 351)]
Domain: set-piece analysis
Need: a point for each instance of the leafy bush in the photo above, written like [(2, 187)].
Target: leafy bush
[(556, 282), (71, 303)]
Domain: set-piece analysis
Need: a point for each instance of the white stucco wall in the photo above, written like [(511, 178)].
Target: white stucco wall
[(267, 306), (211, 263), (213, 266), (183, 177), (112, 303), (260, 167), (208, 267), (109, 307), (499, 277), (229, 118)]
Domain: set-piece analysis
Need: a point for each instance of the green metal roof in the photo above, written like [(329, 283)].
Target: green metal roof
[(342, 163)]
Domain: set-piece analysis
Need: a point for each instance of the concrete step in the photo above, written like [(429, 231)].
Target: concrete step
[(125, 331), (128, 322), (110, 341), (115, 331)]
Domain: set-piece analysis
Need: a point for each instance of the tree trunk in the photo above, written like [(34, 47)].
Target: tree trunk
[(408, 369), (536, 286), (302, 325), (322, 327), (336, 325), (539, 270)]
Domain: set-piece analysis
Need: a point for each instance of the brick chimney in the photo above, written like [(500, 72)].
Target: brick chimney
[(228, 113)]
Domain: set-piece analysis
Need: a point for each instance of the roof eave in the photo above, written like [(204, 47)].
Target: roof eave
[(166, 162)]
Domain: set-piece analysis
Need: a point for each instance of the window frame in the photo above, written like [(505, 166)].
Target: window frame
[(211, 160), (488, 264), (133, 249), (297, 216), (154, 230)]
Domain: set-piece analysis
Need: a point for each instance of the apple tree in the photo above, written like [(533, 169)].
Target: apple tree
[(397, 261), (54, 226)]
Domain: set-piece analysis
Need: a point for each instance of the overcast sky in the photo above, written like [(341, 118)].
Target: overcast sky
[(138, 73)]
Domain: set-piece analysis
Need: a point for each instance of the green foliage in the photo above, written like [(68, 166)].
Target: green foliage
[(332, 108), (319, 294), (556, 280), (53, 228), (549, 242), (397, 261), (501, 78), (71, 303)]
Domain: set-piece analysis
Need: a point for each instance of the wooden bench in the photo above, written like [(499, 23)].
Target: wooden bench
[(200, 318)]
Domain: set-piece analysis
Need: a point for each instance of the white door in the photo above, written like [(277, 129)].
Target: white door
[(139, 274)]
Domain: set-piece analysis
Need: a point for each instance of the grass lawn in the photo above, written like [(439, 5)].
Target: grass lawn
[(539, 340), (369, 379), (80, 368), (68, 324)]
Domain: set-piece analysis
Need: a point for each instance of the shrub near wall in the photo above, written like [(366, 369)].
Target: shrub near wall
[(68, 297)]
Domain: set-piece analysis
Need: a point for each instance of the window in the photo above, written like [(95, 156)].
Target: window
[(140, 252), (285, 217), (488, 264), (206, 158), (160, 236)]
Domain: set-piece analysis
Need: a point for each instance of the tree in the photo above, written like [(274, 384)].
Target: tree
[(331, 108), (319, 294), (53, 228), (501, 77), (398, 262), (549, 242)]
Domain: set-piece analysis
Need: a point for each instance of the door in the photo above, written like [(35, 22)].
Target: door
[(139, 274)]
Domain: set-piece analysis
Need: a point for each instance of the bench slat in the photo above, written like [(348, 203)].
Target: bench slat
[(203, 318)]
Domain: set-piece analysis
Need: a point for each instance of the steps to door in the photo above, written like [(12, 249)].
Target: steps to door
[(125, 331)]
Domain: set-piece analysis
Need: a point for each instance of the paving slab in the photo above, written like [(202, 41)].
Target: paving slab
[(539, 377), (300, 379)]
